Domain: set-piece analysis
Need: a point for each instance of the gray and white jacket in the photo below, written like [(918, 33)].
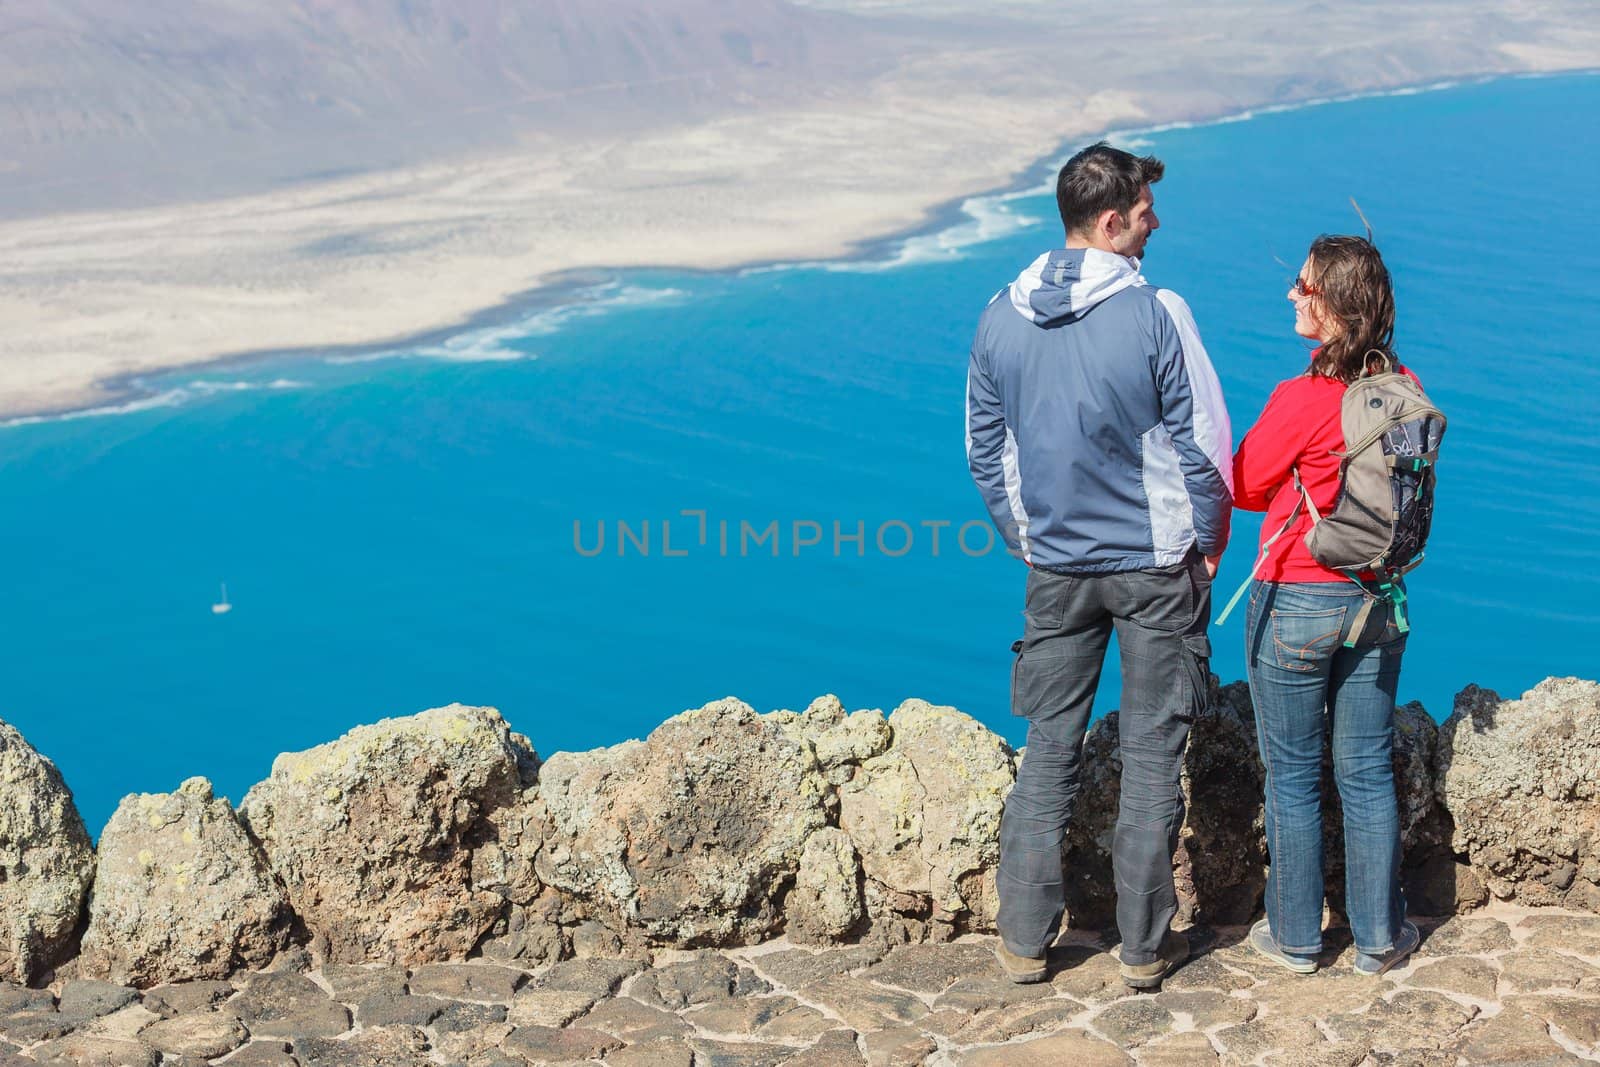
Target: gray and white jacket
[(1096, 428)]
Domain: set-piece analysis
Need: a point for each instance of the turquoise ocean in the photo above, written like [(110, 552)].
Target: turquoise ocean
[(404, 529)]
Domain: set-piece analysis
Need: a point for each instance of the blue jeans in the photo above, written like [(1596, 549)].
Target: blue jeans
[(1302, 676)]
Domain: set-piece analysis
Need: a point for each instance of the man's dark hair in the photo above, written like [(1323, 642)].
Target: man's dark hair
[(1101, 178)]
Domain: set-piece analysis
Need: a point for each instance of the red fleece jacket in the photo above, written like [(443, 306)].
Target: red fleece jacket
[(1300, 427)]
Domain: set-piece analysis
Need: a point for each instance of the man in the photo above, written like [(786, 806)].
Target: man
[(1097, 434)]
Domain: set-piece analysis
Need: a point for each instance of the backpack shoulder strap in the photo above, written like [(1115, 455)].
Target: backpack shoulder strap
[(1304, 501)]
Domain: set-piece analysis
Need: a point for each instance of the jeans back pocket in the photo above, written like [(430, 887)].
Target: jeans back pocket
[(1304, 640)]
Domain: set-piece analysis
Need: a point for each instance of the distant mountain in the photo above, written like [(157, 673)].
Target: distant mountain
[(108, 101)]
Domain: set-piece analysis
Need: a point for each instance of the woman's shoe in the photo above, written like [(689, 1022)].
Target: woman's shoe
[(1261, 940), (1405, 943)]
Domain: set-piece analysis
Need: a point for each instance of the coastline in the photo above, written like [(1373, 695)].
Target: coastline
[(871, 237)]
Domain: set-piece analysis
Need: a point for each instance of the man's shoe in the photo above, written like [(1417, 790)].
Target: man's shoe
[(1261, 940), (1405, 943), (1173, 951), (1020, 969)]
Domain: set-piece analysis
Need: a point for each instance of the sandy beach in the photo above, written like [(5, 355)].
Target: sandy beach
[(93, 300)]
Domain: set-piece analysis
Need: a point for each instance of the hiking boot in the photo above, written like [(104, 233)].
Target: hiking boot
[(1261, 940), (1173, 951), (1405, 943), (1020, 969)]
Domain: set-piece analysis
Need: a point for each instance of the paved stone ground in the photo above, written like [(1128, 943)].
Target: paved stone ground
[(1501, 986)]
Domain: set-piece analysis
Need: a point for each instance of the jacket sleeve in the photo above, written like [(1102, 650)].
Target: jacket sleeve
[(1195, 415), (986, 449), (1269, 450)]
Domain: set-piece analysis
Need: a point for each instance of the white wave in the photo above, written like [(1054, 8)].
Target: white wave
[(166, 398), (988, 218), (492, 344)]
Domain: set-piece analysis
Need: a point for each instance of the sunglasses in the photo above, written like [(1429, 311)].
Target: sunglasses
[(1302, 288)]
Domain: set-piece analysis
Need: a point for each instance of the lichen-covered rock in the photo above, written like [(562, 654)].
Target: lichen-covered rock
[(690, 835), (840, 741), (372, 835), (825, 904), (180, 893), (1521, 782), (924, 815), (46, 861)]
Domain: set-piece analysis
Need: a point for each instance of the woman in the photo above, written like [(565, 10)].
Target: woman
[(1305, 664)]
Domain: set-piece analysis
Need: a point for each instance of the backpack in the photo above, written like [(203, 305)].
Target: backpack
[(1381, 518)]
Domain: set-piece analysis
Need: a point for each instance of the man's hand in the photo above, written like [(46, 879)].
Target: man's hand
[(1211, 565)]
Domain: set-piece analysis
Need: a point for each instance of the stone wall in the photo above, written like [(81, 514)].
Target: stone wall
[(442, 836)]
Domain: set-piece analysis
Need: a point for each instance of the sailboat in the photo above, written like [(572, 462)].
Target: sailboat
[(222, 607)]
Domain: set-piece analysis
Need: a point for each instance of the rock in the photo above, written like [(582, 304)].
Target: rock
[(597, 977), (549, 1007), (691, 835), (180, 893), (825, 904), (1439, 884), (1133, 1022), (1512, 1039), (89, 1050), (46, 861), (1179, 1050), (86, 998), (203, 1035), (708, 1053), (467, 981), (932, 968), (543, 1044), (1206, 1008), (1410, 1019), (987, 992), (703, 979), (898, 1047), (287, 1005), (1521, 781), (354, 982), (1073, 1047), (797, 967), (835, 1048), (1004, 1024), (181, 998), (394, 1046), (924, 815), (389, 1009), (841, 742), (863, 1005), (1089, 975), (662, 1052), (743, 1016), (631, 1021), (263, 1054), (36, 1024), (1530, 970), (1473, 935), (458, 1017), (1470, 977), (1220, 871), (1576, 1017), (372, 835)]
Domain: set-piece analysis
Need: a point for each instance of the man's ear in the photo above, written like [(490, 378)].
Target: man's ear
[(1111, 224)]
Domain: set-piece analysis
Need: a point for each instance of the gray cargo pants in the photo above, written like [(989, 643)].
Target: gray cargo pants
[(1160, 617)]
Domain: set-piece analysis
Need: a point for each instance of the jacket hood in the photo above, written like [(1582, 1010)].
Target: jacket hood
[(1064, 284)]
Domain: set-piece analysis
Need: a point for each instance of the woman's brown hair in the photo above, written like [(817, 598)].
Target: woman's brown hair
[(1353, 290)]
